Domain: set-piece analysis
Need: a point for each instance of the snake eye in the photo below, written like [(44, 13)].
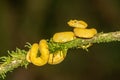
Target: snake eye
[(63, 36), (85, 33), (77, 23), (56, 58)]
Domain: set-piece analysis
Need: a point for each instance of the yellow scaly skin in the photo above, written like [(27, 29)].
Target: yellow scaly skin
[(63, 36), (56, 57), (33, 52)]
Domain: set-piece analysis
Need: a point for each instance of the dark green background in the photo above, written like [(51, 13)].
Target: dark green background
[(24, 21)]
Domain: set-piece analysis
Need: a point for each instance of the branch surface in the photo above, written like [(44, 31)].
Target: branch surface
[(18, 58)]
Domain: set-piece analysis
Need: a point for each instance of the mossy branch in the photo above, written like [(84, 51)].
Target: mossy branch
[(18, 58), (80, 43), (13, 60)]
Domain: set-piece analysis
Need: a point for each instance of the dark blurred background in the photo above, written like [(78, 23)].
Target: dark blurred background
[(24, 21)]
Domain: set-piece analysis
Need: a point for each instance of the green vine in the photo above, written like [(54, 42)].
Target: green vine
[(18, 58)]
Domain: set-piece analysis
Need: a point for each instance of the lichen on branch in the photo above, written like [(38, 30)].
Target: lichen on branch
[(18, 58), (54, 50), (12, 61), (79, 42)]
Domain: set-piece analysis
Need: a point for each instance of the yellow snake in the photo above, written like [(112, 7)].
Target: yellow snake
[(39, 54)]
